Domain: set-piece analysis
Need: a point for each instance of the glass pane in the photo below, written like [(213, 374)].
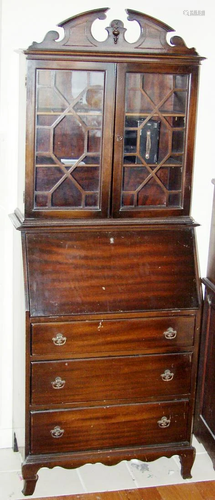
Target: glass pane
[(176, 103), (94, 141), (91, 160), (181, 81), (69, 131), (66, 193), (45, 77), (136, 98), (177, 141), (157, 86), (47, 120), (175, 121), (151, 194), (48, 100), (170, 178), (134, 177), (43, 140), (47, 177), (87, 178), (128, 200), (67, 145), (41, 200), (154, 139), (45, 159), (93, 121)]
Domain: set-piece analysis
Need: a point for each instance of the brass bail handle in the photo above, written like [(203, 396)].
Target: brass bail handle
[(59, 339), (57, 432), (164, 422), (58, 383), (170, 333)]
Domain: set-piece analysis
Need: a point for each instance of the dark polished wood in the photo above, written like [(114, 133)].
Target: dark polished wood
[(99, 272), (108, 457), (108, 427), (107, 337), (78, 34), (111, 278), (52, 191), (205, 408), (93, 381)]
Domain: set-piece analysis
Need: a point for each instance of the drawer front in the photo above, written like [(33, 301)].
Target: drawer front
[(111, 336), (109, 427), (110, 379)]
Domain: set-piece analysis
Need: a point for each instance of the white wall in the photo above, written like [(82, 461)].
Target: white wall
[(23, 22)]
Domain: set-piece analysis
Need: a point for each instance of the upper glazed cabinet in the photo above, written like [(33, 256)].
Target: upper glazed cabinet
[(110, 125)]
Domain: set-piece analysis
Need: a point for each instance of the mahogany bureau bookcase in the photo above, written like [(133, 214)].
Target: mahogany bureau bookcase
[(111, 278)]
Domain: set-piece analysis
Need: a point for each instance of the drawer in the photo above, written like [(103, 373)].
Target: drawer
[(108, 427), (111, 336), (110, 379)]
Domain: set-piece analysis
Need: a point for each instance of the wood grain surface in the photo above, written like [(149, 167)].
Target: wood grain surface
[(198, 491)]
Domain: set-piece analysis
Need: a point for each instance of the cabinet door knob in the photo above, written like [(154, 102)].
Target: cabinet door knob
[(57, 432), (170, 333), (164, 422), (59, 339), (167, 376), (58, 383), (119, 138)]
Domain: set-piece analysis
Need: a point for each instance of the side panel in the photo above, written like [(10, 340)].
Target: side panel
[(18, 348), (204, 427)]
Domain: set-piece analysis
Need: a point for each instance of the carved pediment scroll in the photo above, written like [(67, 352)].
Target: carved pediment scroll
[(78, 36)]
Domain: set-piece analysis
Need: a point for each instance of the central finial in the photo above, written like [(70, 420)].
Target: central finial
[(116, 27)]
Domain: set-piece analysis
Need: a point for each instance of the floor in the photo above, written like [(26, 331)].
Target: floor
[(192, 491), (97, 478)]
